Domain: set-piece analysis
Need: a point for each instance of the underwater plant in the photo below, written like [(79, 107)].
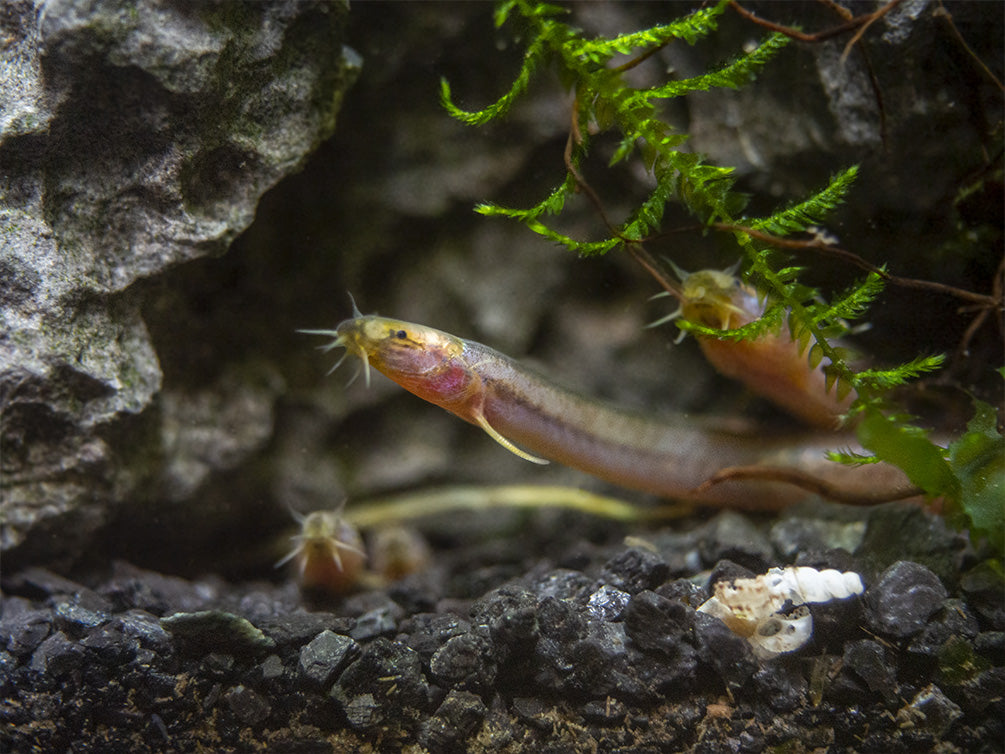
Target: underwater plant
[(969, 474)]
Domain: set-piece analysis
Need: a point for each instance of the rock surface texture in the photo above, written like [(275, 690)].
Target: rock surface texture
[(132, 138)]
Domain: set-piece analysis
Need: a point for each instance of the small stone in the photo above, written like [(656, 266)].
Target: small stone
[(75, 619), (931, 711), (635, 569), (362, 711), (728, 571), (56, 656), (657, 624), (110, 644), (563, 584), (991, 643), (249, 706), (325, 656), (909, 533), (271, 668), (599, 660), (867, 660), (608, 603), (218, 665), (145, 628), (729, 654), (902, 600), (24, 631), (427, 632), (454, 720), (381, 621), (781, 684), (734, 537), (465, 661), (953, 620), (984, 587), (604, 712), (512, 617), (298, 628), (794, 535), (382, 684), (531, 711)]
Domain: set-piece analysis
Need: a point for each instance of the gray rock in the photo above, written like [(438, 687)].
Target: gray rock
[(250, 706), (385, 684), (867, 660), (464, 661), (56, 656), (634, 570), (732, 536), (724, 650), (931, 711), (22, 632), (325, 656), (607, 603), (454, 719), (133, 140), (906, 595)]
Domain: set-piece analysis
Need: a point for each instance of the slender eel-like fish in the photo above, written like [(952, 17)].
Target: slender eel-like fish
[(772, 365), (537, 419)]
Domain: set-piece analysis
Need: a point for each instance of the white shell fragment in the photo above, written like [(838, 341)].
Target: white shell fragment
[(782, 633), (768, 610)]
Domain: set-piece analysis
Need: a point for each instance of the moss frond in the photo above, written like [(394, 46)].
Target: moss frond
[(733, 76), (851, 304), (690, 29), (811, 211), (881, 380), (501, 106)]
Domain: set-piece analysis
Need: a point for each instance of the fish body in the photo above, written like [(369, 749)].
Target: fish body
[(539, 421)]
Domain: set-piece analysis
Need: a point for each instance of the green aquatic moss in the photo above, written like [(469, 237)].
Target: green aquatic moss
[(969, 474)]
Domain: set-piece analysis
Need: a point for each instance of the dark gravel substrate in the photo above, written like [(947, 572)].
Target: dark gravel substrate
[(522, 644)]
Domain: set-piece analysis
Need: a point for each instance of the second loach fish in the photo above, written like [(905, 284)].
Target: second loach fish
[(537, 420)]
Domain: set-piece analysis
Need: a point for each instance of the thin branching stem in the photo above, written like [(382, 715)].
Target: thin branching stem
[(853, 24), (983, 300), (947, 17)]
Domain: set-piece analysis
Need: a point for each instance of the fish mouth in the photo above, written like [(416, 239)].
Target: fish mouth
[(348, 335)]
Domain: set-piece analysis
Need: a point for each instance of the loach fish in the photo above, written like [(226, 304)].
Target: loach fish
[(539, 421), (772, 365), (328, 552)]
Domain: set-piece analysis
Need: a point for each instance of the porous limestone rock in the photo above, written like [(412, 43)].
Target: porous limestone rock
[(132, 138)]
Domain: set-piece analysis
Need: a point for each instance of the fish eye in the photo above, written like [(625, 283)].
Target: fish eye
[(401, 334)]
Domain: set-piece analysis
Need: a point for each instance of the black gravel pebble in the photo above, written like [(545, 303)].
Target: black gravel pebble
[(384, 686), (634, 570), (611, 656), (867, 661), (252, 708), (902, 600), (452, 722), (325, 656)]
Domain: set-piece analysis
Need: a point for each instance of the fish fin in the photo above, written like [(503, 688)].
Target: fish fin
[(366, 368), (356, 313), (484, 424)]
